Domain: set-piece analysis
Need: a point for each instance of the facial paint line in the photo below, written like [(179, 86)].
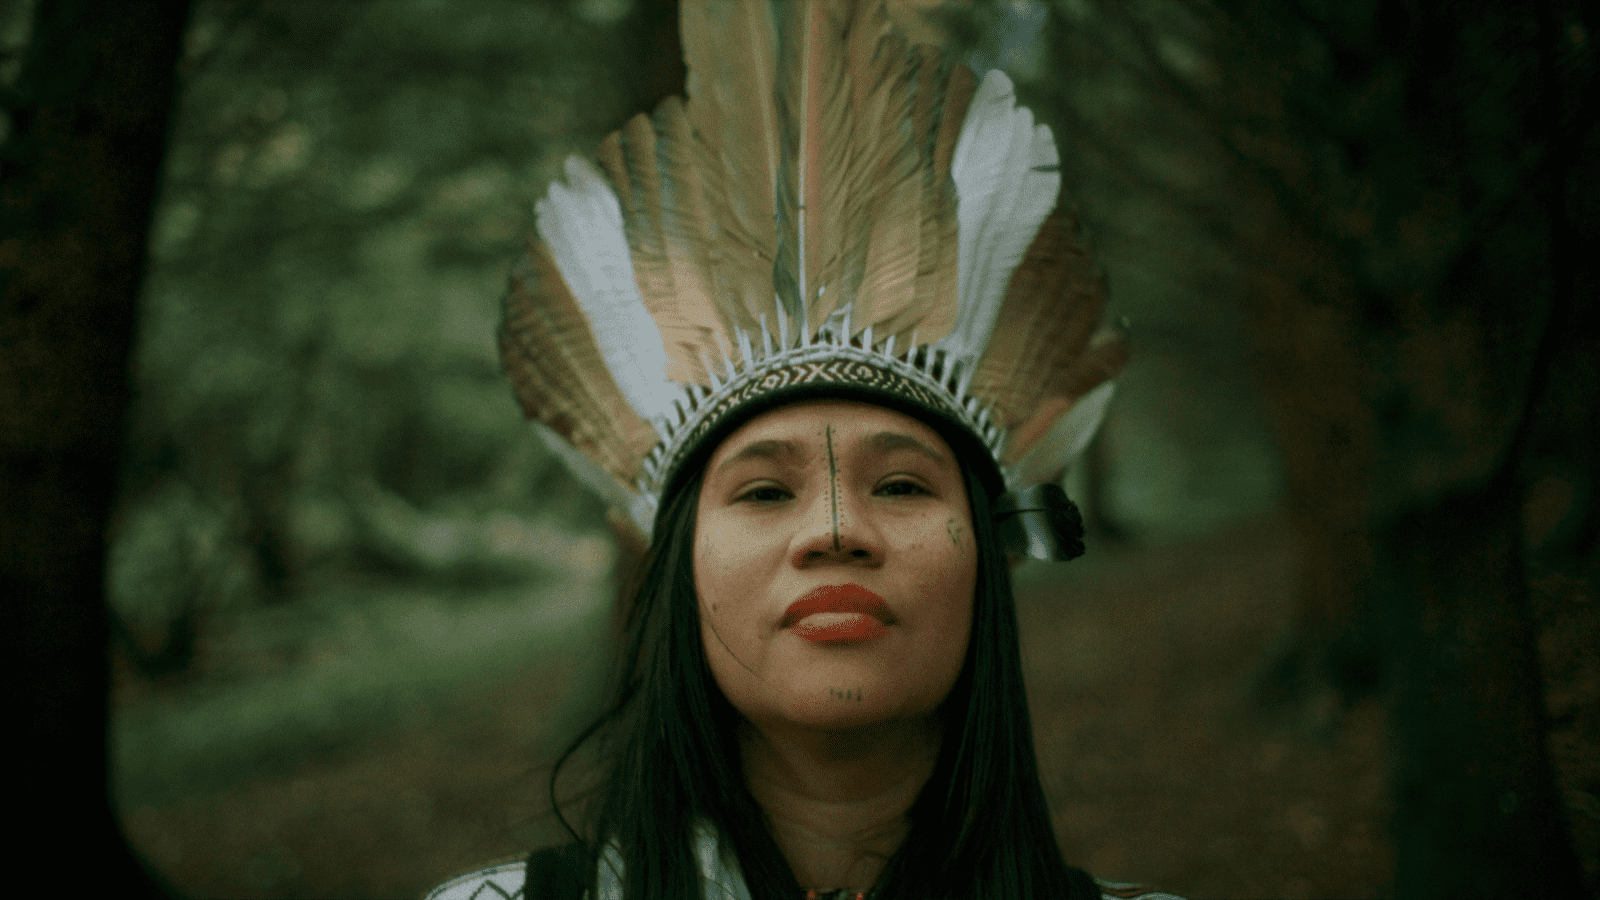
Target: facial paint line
[(954, 530), (844, 693), (718, 635), (833, 480)]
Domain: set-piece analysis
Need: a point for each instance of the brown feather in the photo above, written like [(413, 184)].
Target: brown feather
[(1101, 362), (731, 51), (867, 255), (852, 157), (950, 110), (1052, 306), (555, 369), (628, 159), (808, 124), (939, 114), (692, 317), (809, 106), (730, 130), (673, 245)]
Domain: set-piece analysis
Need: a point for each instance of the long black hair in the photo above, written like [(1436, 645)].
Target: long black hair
[(980, 828)]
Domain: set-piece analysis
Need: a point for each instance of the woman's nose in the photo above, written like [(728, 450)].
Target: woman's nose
[(837, 529)]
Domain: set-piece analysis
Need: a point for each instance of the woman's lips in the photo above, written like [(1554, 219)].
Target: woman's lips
[(847, 614), (852, 628)]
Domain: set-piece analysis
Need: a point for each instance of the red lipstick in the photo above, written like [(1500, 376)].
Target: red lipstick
[(867, 617)]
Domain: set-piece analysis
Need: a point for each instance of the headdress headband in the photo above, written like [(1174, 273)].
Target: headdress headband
[(829, 212)]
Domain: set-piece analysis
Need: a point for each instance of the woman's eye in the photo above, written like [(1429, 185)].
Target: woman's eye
[(765, 494), (902, 488)]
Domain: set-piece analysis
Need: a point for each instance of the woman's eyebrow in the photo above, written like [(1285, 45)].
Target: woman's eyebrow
[(776, 450), (888, 441)]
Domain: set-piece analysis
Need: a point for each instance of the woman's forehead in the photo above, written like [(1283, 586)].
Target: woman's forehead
[(837, 421)]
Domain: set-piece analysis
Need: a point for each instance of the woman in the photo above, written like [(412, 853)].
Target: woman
[(818, 332)]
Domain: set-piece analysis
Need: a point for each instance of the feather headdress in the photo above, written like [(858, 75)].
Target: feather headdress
[(829, 212)]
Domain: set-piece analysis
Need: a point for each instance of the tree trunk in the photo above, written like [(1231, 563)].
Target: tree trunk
[(1477, 810), (78, 176)]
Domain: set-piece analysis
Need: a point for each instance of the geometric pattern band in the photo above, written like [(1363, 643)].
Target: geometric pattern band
[(923, 379), (822, 372)]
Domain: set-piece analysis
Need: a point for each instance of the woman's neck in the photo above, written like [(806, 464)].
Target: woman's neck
[(837, 801)]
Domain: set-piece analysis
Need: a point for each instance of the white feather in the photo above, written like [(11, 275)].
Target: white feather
[(581, 222), (1066, 439), (1001, 198), (585, 469), (643, 512), (746, 352)]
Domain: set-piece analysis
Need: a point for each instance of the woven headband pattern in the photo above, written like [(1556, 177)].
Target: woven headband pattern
[(924, 378)]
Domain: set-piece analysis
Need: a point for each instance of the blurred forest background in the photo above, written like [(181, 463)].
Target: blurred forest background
[(1336, 633)]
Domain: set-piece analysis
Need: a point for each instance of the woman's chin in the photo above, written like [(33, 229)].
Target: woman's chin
[(798, 688), (840, 708)]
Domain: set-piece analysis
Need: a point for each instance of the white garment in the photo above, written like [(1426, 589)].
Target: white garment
[(718, 865), (502, 882)]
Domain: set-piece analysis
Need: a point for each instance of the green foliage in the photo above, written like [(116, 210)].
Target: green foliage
[(346, 188), (332, 508)]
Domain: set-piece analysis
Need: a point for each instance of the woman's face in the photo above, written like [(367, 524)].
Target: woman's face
[(834, 505)]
